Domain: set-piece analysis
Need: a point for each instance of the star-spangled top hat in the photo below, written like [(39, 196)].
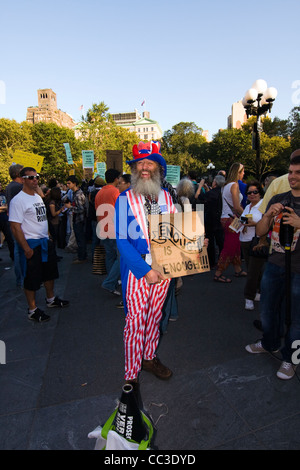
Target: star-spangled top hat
[(149, 151)]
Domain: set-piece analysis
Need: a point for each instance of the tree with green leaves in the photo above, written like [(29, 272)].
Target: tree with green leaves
[(276, 127), (229, 146), (183, 145), (274, 146), (13, 136), (294, 127), (184, 136), (100, 133), (48, 141), (275, 154)]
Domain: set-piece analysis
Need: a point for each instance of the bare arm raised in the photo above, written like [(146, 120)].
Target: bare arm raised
[(263, 226)]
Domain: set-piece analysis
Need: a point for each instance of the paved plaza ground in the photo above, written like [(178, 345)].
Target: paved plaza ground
[(62, 378)]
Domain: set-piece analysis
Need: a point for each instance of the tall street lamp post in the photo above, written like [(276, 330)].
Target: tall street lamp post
[(258, 100), (210, 167)]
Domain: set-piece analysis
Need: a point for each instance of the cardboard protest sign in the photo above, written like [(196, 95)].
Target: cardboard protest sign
[(88, 173), (177, 243), (28, 159)]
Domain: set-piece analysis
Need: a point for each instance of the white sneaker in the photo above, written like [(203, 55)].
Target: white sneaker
[(115, 291), (286, 371), (249, 305), (257, 297), (257, 348)]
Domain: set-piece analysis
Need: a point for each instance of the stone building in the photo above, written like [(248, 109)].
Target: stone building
[(47, 110), (237, 117), (143, 126)]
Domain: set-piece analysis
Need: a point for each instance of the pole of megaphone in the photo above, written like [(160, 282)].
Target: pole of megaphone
[(129, 422)]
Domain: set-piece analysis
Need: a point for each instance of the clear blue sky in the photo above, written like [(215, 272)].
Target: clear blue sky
[(189, 59)]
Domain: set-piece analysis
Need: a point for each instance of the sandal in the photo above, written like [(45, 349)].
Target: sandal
[(241, 273), (223, 279)]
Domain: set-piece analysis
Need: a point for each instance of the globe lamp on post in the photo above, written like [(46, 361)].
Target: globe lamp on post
[(258, 100)]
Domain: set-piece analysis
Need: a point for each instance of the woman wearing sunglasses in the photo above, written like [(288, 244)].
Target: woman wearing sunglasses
[(254, 265)]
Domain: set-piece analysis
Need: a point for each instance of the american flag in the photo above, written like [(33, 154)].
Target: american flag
[(143, 102)]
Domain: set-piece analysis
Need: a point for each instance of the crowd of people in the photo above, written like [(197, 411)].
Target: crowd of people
[(245, 224)]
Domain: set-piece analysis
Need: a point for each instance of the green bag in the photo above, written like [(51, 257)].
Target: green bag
[(143, 445), (127, 428)]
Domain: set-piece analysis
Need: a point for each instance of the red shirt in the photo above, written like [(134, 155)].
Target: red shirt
[(106, 196)]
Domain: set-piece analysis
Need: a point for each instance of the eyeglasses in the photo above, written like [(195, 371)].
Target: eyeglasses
[(252, 192), (31, 177)]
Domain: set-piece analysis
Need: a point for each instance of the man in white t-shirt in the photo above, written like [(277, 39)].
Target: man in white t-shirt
[(29, 225)]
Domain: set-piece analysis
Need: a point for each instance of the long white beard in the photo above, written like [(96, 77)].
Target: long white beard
[(146, 187)]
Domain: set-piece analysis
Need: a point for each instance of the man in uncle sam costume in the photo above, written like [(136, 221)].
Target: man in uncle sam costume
[(144, 289)]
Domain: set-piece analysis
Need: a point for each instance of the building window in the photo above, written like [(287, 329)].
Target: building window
[(145, 136)]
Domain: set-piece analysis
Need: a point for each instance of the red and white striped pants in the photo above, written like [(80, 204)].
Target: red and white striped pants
[(141, 333)]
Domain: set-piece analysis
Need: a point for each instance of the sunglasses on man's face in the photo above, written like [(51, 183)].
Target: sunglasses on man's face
[(31, 177), (252, 192)]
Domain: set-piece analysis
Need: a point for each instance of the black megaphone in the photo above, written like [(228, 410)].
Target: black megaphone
[(128, 421)]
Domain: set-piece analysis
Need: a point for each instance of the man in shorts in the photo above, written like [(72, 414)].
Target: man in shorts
[(29, 225)]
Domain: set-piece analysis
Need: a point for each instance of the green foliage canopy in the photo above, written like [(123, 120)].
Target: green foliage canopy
[(100, 133), (183, 145)]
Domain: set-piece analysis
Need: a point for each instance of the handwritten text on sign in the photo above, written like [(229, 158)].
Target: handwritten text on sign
[(177, 244)]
